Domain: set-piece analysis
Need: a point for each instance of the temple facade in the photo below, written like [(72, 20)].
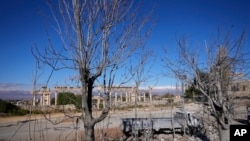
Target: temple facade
[(117, 95)]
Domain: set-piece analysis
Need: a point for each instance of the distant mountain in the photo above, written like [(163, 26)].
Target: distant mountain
[(161, 90), (15, 95)]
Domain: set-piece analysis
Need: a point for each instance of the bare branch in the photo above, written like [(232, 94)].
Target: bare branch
[(225, 60), (97, 38)]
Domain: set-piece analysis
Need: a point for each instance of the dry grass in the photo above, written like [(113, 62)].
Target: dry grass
[(108, 134)]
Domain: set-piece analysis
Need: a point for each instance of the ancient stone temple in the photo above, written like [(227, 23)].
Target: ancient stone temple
[(45, 96), (117, 96), (125, 94)]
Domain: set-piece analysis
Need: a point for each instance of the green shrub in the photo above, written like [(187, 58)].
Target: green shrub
[(191, 92), (69, 98), (11, 109)]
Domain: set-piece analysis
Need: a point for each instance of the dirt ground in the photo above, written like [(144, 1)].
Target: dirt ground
[(16, 128)]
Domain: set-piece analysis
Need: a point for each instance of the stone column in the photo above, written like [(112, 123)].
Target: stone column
[(41, 98), (35, 93), (34, 100), (126, 98), (57, 89), (133, 95), (49, 97), (115, 98), (144, 97), (55, 97), (150, 94)]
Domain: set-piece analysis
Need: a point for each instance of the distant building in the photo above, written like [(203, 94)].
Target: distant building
[(240, 88), (45, 96)]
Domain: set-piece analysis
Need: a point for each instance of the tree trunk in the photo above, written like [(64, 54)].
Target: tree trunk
[(89, 131), (88, 120), (223, 134)]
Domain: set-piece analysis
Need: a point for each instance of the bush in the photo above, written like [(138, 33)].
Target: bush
[(69, 98), (191, 92), (11, 109), (6, 107)]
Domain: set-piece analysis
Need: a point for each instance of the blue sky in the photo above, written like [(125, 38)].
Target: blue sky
[(22, 26)]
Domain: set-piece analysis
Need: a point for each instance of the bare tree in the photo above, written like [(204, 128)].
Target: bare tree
[(213, 71), (97, 37), (36, 76), (140, 71)]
